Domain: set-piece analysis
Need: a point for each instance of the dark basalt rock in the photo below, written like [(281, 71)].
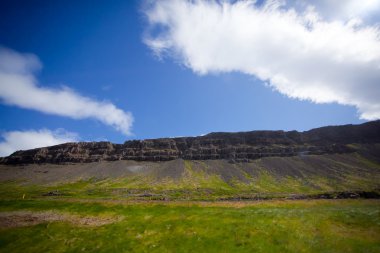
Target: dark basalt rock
[(327, 195), (53, 193), (235, 147)]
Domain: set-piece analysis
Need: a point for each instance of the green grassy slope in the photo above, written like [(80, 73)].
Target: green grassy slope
[(194, 180), (118, 206)]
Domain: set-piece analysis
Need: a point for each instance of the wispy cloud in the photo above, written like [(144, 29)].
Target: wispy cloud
[(19, 87), (21, 140), (299, 50), (366, 10)]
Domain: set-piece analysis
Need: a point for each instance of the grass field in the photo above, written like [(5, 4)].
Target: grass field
[(60, 225), (179, 206)]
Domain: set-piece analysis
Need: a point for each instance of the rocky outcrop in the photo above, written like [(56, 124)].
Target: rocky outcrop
[(242, 146)]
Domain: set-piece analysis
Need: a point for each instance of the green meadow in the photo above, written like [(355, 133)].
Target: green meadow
[(195, 211), (188, 226)]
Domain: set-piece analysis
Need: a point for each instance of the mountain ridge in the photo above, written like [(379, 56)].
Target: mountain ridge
[(235, 147)]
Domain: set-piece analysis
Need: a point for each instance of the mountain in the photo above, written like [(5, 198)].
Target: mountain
[(333, 159), (237, 147)]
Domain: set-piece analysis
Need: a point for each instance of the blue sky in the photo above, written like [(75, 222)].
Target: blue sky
[(104, 51)]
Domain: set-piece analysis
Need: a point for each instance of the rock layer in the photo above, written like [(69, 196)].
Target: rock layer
[(240, 147)]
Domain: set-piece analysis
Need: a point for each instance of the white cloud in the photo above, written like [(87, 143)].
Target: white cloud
[(19, 87), (300, 52), (363, 9), (22, 140)]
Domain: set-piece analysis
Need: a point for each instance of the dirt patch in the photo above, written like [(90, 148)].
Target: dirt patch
[(28, 218), (238, 204)]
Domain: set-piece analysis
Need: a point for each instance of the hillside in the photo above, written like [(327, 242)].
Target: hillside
[(205, 196), (259, 164)]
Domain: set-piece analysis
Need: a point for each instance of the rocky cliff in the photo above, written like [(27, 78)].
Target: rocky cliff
[(239, 147)]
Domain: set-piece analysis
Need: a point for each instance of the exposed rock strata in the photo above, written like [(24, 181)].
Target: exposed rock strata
[(242, 146)]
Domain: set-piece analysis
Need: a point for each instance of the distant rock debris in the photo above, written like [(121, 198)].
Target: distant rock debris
[(53, 193)]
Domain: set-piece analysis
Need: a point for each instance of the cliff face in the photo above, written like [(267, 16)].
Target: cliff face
[(243, 146)]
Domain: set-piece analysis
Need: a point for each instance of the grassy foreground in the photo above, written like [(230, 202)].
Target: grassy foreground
[(180, 206), (268, 226)]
